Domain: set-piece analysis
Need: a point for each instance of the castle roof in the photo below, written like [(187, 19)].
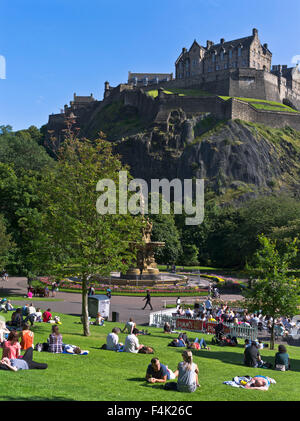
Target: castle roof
[(226, 46)]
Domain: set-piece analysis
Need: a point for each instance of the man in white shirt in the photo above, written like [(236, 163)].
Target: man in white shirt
[(132, 343), (112, 340)]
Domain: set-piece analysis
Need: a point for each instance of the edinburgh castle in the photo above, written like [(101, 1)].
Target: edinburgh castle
[(225, 73)]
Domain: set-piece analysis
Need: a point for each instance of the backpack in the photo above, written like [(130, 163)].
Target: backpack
[(39, 347), (146, 350)]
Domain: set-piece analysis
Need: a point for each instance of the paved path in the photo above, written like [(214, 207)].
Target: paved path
[(71, 302)]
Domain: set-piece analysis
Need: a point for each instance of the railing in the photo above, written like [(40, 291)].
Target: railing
[(159, 319)]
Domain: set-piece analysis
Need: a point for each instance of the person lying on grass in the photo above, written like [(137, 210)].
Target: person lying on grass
[(158, 373), (258, 383), (24, 363), (198, 344)]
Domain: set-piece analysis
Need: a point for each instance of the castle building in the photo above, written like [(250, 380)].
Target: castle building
[(245, 52)]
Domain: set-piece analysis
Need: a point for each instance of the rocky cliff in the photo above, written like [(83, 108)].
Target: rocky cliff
[(236, 159)]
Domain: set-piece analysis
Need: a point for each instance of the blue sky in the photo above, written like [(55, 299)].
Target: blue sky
[(54, 48)]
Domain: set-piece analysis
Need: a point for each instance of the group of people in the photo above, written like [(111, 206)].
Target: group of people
[(131, 344), (206, 312), (252, 357), (27, 313)]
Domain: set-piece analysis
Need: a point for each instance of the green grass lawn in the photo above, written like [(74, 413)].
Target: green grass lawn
[(111, 376), (22, 298), (261, 104), (181, 92)]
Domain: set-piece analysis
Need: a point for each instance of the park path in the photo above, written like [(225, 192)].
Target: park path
[(71, 302)]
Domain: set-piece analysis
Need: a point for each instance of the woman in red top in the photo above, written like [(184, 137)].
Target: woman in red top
[(11, 347), (47, 316)]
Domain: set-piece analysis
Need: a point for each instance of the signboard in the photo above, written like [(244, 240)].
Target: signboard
[(189, 324), (192, 324)]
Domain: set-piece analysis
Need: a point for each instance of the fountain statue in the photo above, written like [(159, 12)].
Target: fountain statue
[(145, 265)]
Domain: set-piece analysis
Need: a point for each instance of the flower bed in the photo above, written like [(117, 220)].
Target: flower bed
[(164, 289)]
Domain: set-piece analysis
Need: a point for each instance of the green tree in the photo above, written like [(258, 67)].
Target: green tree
[(273, 292), (73, 238), (22, 151), (189, 255), (164, 229), (6, 245)]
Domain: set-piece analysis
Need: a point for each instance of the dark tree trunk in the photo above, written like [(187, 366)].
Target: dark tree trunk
[(85, 311), (272, 340)]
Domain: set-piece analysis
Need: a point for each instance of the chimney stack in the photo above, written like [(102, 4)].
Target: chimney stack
[(254, 32), (222, 40), (209, 44)]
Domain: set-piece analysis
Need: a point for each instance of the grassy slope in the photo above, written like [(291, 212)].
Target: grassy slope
[(111, 376), (261, 104), (180, 92)]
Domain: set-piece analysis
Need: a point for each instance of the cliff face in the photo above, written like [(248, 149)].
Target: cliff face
[(236, 159)]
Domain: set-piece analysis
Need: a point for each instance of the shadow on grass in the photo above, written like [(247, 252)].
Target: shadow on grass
[(137, 379), (35, 398), (237, 359)]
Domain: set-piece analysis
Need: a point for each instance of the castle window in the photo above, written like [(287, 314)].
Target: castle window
[(222, 55), (239, 51), (217, 67), (225, 66), (213, 58), (230, 53)]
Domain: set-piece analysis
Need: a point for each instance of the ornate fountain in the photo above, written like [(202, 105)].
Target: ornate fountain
[(145, 265)]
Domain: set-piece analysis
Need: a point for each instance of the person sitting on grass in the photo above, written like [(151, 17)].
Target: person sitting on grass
[(47, 316), (26, 337), (99, 320), (38, 315), (167, 328), (112, 340), (158, 373), (132, 343), (9, 306), (252, 357), (3, 332), (11, 347), (282, 361), (55, 340), (24, 363), (187, 373), (129, 326), (16, 319)]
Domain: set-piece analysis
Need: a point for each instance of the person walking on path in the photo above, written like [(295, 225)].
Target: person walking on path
[(148, 300)]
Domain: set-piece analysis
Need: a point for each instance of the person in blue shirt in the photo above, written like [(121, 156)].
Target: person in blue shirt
[(157, 372)]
